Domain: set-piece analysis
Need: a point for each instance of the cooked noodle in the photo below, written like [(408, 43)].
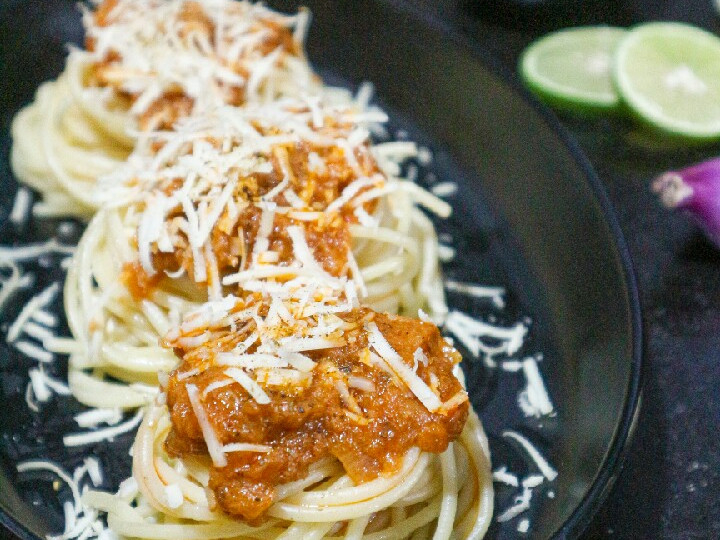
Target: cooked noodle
[(80, 128), (455, 485), (250, 182), (118, 334)]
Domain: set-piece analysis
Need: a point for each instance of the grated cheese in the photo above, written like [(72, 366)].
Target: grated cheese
[(204, 71), (214, 447), (361, 383), (471, 332), (250, 361), (502, 475), (45, 318), (250, 386), (446, 253), (42, 384), (424, 156), (283, 377), (109, 433), (39, 388), (302, 251), (541, 463), (12, 283), (36, 303), (33, 351), (33, 251), (512, 366), (187, 374), (298, 361), (81, 521), (495, 294), (93, 469), (416, 385), (419, 357), (342, 388), (38, 332), (95, 417), (533, 480), (521, 504), (444, 189), (21, 206), (534, 400), (247, 447)]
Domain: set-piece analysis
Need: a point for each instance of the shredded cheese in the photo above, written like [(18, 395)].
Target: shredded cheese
[(476, 335), (33, 351), (33, 251), (541, 463), (109, 433), (36, 303), (521, 504), (14, 282), (247, 447), (94, 417), (416, 385), (495, 294), (534, 400), (444, 189), (250, 386), (214, 447), (502, 475), (21, 206)]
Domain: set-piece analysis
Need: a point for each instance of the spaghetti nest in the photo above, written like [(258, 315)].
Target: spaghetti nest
[(307, 419), (430, 496), (146, 64)]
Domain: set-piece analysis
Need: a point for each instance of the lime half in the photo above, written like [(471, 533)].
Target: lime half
[(669, 76), (572, 68)]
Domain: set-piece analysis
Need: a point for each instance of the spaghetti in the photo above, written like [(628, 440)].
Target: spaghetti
[(260, 443), (237, 283), (148, 63), (233, 200)]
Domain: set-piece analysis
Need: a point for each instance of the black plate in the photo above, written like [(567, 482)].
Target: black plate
[(530, 215)]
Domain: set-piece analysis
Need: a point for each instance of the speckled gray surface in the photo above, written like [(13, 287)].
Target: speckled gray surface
[(670, 485)]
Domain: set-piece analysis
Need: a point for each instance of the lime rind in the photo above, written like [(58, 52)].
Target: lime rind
[(655, 63), (571, 68)]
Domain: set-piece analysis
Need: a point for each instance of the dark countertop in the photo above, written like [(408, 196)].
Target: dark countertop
[(670, 484)]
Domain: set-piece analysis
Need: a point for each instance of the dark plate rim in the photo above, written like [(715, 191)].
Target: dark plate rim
[(615, 457), (617, 452)]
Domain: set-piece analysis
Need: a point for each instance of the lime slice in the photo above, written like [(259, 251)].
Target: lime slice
[(669, 76), (572, 68)]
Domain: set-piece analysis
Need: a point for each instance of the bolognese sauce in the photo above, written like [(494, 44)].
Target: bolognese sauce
[(347, 407), (234, 236), (195, 32)]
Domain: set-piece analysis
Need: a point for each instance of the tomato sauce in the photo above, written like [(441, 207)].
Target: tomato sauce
[(305, 423), (328, 237), (193, 21)]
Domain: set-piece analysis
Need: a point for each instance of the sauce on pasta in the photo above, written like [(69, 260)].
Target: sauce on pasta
[(193, 27), (347, 408)]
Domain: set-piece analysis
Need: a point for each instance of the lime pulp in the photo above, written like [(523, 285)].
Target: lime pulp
[(572, 68), (668, 74)]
